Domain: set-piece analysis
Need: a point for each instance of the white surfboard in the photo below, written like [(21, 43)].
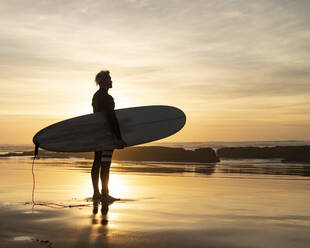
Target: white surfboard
[(91, 132)]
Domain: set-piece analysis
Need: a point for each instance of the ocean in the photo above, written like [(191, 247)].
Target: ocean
[(5, 148), (233, 203)]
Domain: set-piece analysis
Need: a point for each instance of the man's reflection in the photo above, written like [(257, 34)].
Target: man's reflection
[(104, 212)]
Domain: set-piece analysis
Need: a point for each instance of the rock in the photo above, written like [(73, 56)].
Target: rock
[(166, 154), (297, 154), (288, 153)]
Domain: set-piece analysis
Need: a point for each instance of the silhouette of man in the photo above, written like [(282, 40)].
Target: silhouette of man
[(103, 102)]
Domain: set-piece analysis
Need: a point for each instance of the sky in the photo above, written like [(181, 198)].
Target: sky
[(239, 69)]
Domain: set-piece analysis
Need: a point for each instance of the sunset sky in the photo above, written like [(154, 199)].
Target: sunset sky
[(239, 69)]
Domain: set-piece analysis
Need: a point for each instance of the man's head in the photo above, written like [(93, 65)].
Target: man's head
[(103, 79)]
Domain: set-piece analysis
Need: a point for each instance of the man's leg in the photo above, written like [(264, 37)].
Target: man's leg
[(95, 174), (105, 171)]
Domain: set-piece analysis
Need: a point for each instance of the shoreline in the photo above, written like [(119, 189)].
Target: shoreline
[(161, 154)]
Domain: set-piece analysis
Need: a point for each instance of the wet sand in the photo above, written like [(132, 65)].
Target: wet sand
[(249, 203)]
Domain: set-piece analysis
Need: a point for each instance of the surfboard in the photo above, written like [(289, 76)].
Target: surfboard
[(92, 132)]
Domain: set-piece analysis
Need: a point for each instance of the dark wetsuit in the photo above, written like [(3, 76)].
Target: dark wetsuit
[(103, 102)]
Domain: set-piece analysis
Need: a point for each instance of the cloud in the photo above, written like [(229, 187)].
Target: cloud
[(204, 52)]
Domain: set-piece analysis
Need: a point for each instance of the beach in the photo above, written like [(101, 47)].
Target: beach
[(233, 203), (201, 107)]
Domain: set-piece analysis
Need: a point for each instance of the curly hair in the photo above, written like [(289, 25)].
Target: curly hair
[(102, 77)]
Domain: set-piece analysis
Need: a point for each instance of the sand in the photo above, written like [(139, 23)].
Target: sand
[(231, 204)]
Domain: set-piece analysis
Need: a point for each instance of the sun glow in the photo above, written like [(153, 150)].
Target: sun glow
[(117, 186)]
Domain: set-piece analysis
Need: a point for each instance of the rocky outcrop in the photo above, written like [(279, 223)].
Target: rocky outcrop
[(287, 153), (166, 154), (299, 154), (145, 153)]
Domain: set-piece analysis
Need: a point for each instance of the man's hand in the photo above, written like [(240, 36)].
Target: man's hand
[(120, 144)]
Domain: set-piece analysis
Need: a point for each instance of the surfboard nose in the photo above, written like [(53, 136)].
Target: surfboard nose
[(180, 115)]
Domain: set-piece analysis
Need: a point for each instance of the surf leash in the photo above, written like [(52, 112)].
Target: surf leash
[(47, 204)]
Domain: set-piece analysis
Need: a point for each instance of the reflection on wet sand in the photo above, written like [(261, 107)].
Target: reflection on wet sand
[(207, 169), (263, 167), (104, 213), (175, 205), (237, 166), (96, 233)]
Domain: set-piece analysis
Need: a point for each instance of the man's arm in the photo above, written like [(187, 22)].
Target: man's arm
[(114, 125)]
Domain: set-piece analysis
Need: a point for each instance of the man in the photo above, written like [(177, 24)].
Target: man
[(103, 102)]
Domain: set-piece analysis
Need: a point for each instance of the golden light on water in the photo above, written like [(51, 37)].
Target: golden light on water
[(169, 204), (117, 186)]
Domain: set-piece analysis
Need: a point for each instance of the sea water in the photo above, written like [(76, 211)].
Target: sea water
[(233, 203), (5, 148)]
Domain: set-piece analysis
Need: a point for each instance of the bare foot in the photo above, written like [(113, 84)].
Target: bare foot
[(109, 199), (97, 196)]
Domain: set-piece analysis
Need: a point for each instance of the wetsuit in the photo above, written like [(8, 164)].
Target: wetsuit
[(103, 102)]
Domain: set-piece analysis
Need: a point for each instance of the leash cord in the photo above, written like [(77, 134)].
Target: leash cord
[(48, 204)]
